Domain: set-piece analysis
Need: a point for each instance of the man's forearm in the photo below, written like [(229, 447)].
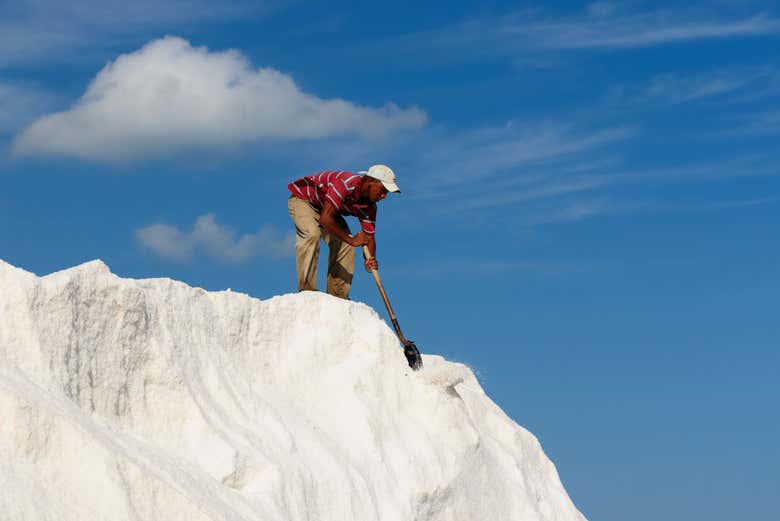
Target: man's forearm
[(371, 246), (330, 225)]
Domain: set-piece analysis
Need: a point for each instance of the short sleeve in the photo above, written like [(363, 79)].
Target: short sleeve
[(368, 220)]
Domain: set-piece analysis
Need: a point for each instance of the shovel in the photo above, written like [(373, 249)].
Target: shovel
[(410, 350)]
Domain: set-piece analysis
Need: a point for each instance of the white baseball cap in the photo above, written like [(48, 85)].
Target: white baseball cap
[(384, 174)]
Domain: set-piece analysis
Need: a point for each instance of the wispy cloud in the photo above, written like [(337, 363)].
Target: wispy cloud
[(731, 84), (424, 267), (534, 173), (708, 206), (644, 205), (600, 26), (589, 208), (550, 172), (215, 240), (169, 98), (461, 161), (631, 31), (548, 189), (614, 192), (767, 122), (743, 166), (679, 89), (574, 211)]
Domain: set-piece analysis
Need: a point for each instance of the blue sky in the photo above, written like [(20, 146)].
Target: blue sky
[(589, 216)]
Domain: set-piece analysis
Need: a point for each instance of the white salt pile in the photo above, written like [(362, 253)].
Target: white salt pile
[(152, 400)]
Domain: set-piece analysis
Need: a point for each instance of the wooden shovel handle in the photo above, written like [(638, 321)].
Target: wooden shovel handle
[(382, 292)]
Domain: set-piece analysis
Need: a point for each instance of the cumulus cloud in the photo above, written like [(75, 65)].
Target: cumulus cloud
[(170, 97), (215, 240)]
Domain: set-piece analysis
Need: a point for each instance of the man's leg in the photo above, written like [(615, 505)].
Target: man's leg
[(307, 242), (341, 262)]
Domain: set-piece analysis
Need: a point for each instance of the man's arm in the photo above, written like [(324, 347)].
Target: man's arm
[(371, 264), (328, 221)]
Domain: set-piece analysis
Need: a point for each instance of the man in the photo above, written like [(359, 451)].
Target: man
[(318, 204)]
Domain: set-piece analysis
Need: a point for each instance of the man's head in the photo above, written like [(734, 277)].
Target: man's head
[(372, 190), (377, 182)]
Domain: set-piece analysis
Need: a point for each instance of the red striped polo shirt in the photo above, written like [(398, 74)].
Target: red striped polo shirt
[(342, 189)]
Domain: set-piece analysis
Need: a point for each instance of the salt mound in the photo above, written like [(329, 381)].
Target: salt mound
[(149, 399)]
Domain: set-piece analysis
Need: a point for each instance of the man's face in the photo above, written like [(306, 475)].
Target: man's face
[(376, 191)]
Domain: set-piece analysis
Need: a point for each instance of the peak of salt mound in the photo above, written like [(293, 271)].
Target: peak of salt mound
[(148, 399), (91, 268)]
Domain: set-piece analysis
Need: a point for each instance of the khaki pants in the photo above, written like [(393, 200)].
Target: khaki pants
[(341, 256)]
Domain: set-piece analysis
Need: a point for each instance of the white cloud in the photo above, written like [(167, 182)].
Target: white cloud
[(215, 240), (170, 97), (167, 242)]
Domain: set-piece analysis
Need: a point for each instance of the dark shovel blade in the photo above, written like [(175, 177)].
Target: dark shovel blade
[(413, 356)]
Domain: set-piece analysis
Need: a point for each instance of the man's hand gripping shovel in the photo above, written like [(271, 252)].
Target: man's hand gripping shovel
[(410, 350)]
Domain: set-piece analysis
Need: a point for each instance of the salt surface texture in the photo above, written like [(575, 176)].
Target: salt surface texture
[(151, 400)]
